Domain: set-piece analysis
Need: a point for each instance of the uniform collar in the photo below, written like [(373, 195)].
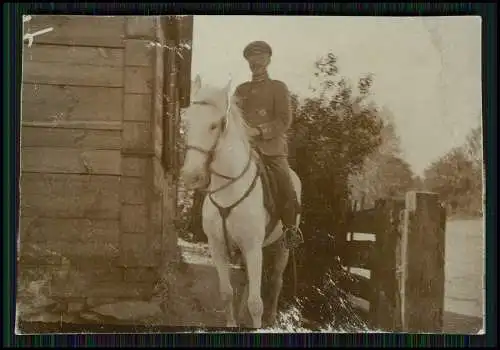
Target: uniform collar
[(260, 77)]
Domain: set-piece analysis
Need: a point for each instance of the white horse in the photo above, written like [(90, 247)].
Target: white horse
[(220, 160)]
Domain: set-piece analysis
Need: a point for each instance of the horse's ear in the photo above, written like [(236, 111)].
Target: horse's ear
[(227, 88), (196, 85), (227, 91)]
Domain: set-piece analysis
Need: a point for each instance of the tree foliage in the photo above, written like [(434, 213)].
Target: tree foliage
[(458, 177), (333, 132), (473, 148), (384, 173)]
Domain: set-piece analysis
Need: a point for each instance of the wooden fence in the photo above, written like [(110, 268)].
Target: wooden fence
[(395, 251)]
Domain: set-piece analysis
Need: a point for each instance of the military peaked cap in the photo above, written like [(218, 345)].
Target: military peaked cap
[(257, 47)]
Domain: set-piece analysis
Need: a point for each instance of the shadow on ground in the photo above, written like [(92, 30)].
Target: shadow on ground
[(461, 324)]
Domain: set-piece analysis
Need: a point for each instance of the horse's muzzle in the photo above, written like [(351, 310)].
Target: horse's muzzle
[(193, 180)]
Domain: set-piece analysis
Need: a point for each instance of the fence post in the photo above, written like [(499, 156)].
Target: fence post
[(422, 258), (386, 312)]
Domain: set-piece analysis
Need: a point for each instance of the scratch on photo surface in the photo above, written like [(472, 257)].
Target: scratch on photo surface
[(31, 36)]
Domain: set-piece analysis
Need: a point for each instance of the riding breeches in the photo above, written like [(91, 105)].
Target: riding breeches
[(287, 197)]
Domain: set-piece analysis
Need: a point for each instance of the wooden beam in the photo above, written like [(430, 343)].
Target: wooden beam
[(358, 286), (63, 104), (102, 31), (70, 160), (95, 56), (385, 311), (73, 125), (70, 196), (60, 73), (70, 138), (170, 93), (361, 308), (358, 254), (185, 43), (423, 254), (363, 221)]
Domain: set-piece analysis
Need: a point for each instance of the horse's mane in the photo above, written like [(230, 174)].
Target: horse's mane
[(236, 117), (209, 95), (236, 114)]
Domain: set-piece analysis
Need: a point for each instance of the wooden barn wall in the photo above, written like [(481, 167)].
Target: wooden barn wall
[(94, 196)]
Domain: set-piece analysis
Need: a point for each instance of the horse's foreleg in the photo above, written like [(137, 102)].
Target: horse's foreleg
[(254, 270), (221, 262), (242, 307)]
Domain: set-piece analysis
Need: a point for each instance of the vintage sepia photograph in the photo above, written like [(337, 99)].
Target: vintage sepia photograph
[(282, 174)]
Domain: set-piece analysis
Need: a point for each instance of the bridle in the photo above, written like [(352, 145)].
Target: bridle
[(211, 153), (210, 157)]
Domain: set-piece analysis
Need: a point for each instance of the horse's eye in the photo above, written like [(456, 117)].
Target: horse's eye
[(213, 126)]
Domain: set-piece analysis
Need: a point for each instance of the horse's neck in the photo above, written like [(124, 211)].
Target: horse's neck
[(231, 160)]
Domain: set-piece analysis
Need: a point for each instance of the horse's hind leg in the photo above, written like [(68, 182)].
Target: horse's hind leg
[(279, 259), (221, 261)]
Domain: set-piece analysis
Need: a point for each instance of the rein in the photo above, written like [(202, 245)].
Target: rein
[(211, 153), (210, 157)]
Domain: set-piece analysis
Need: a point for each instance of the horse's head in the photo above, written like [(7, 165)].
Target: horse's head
[(206, 119)]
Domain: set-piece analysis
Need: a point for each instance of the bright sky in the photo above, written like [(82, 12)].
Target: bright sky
[(427, 70)]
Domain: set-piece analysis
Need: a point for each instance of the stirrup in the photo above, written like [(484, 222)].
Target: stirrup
[(292, 237)]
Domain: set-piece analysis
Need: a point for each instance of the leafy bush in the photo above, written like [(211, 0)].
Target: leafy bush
[(458, 177), (332, 134)]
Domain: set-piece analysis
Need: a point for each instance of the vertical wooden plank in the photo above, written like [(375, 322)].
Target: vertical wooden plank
[(380, 227), (385, 311), (170, 31), (157, 107), (398, 265), (170, 248), (422, 294), (343, 236), (184, 59)]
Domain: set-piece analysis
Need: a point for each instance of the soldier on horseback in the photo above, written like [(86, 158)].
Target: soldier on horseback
[(265, 105)]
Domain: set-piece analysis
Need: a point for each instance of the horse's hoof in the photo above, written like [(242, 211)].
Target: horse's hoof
[(269, 323)]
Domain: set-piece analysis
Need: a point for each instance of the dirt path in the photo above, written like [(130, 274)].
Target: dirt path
[(464, 273)]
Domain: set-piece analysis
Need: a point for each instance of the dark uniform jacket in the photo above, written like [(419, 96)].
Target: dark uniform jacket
[(266, 106)]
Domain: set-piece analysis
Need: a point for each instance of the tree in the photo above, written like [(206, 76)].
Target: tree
[(458, 176), (333, 132), (418, 183), (384, 172), (473, 148), (391, 143), (455, 177)]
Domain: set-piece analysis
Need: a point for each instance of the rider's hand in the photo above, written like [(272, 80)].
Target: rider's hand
[(253, 132)]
